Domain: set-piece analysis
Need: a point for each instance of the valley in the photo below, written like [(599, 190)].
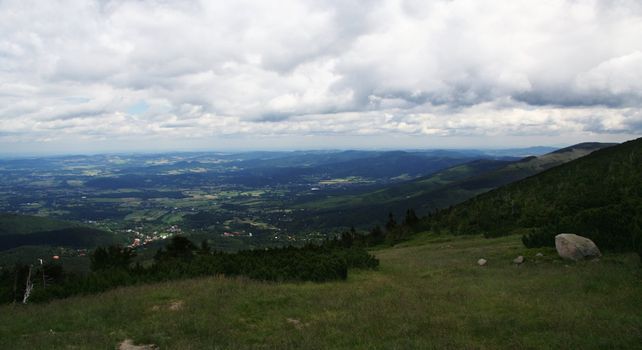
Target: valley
[(236, 201)]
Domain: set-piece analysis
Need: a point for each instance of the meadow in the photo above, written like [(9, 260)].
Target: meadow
[(427, 293)]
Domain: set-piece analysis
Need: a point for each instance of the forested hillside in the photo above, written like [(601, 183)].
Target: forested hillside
[(435, 191), (14, 224), (27, 230), (599, 196)]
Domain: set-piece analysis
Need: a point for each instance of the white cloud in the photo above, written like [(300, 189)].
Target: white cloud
[(618, 76), (205, 69)]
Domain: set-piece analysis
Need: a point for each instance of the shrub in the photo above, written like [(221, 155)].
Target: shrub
[(110, 268)]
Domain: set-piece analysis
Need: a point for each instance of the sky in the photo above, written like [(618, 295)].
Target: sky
[(154, 75)]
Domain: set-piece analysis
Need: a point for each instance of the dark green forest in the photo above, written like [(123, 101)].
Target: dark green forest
[(598, 196)]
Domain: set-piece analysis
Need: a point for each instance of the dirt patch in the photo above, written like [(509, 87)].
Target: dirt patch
[(128, 344), (176, 305), (296, 323)]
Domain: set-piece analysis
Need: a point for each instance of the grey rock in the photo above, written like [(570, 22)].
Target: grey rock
[(573, 247), (539, 255), (518, 260), (482, 262)]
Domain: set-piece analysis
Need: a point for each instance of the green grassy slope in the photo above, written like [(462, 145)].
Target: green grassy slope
[(599, 195), (427, 294)]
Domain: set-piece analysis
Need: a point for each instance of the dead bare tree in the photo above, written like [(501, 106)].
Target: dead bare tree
[(15, 284), (44, 280), (28, 287)]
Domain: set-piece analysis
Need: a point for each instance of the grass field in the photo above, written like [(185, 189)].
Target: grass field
[(428, 293)]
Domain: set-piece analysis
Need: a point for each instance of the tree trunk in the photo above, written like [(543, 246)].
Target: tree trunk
[(28, 287)]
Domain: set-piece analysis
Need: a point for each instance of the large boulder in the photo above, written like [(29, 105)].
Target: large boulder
[(573, 247)]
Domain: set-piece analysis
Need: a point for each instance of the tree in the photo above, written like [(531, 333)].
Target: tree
[(411, 218), (114, 256), (347, 238), (205, 248), (28, 286), (21, 273), (376, 235), (178, 248), (392, 223)]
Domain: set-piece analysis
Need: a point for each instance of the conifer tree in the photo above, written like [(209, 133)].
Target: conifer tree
[(392, 223), (411, 218)]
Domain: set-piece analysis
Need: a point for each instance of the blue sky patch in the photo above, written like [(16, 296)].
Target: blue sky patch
[(139, 107)]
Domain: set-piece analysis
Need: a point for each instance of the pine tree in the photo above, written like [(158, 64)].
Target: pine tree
[(411, 218), (347, 238), (376, 235), (179, 248), (392, 223), (205, 248), (114, 256)]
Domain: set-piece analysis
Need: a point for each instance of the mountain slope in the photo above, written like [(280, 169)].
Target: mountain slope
[(15, 224), (439, 190), (599, 196), (408, 189), (73, 237), (25, 230), (391, 164)]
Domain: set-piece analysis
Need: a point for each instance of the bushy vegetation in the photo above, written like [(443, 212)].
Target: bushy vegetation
[(13, 282), (598, 196), (112, 257), (111, 267)]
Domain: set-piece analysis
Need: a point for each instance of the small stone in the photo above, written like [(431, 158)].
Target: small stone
[(518, 260), (482, 262), (539, 255)]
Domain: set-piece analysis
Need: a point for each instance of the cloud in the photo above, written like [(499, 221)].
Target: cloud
[(199, 69)]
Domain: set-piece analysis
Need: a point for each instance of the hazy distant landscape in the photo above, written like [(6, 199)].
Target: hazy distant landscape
[(247, 200)]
